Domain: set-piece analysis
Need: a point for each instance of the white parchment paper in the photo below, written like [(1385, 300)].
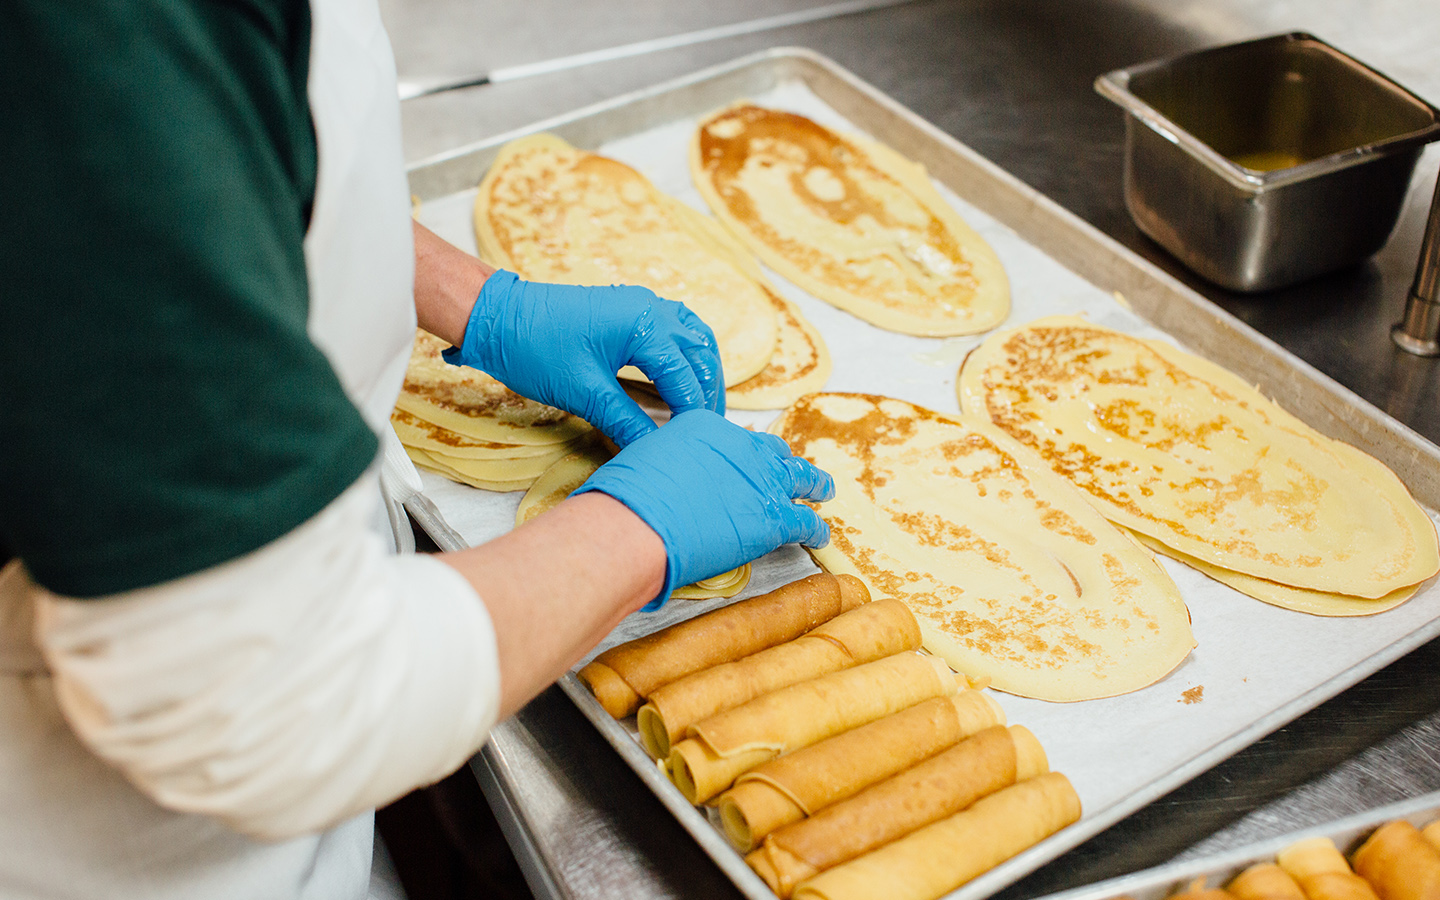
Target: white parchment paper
[(1254, 663)]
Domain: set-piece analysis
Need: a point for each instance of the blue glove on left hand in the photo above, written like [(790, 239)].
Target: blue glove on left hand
[(562, 345), (719, 496)]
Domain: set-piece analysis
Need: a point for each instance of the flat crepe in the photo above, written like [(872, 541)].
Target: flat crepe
[(554, 213), (801, 363), (850, 221), (1011, 574), (1177, 448)]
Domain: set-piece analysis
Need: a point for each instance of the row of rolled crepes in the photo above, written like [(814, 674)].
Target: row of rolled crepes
[(841, 760)]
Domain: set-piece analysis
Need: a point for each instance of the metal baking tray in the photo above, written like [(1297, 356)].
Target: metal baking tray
[(1166, 880), (1171, 742)]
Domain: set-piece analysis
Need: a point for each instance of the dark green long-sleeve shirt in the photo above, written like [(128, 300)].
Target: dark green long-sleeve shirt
[(162, 408)]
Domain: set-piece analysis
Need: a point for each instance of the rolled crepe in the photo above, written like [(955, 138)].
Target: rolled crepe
[(869, 632), (793, 786), (622, 676), (938, 787), (1399, 863), (1322, 872), (940, 857), (1265, 881), (737, 740), (1431, 833)]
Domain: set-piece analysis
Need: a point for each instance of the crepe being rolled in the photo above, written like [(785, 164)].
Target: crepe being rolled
[(871, 631), (798, 784), (723, 746), (1179, 449), (622, 676), (849, 220), (938, 787), (1010, 572), (940, 857)]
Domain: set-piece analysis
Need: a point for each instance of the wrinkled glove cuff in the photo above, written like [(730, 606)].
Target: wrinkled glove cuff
[(478, 347), (652, 513)]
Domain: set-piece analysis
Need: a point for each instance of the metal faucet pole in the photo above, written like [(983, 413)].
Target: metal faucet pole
[(1419, 331)]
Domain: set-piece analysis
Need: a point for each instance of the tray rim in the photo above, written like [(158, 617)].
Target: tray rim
[(1340, 409), (1344, 831)]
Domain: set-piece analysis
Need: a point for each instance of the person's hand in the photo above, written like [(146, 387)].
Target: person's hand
[(562, 345), (719, 496)]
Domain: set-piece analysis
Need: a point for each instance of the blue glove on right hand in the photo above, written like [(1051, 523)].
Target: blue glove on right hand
[(719, 496)]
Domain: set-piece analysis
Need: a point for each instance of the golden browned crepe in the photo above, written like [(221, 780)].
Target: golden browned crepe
[(554, 213), (1431, 833), (1174, 447), (565, 476), (1322, 872), (848, 220), (729, 743), (1011, 574), (940, 857), (793, 786), (871, 631), (623, 676), (1399, 863), (1264, 881), (938, 787)]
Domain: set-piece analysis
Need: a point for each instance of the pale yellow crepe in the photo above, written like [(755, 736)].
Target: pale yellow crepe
[(1318, 603), (569, 472), (1011, 574), (426, 461), (414, 431), (850, 221), (470, 403), (554, 213), (1177, 448)]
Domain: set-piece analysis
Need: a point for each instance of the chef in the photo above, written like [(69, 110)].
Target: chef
[(213, 666)]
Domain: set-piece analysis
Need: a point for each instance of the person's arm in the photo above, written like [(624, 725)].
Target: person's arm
[(447, 281), (557, 585)]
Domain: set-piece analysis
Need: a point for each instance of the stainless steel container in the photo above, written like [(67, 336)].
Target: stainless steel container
[(1264, 163)]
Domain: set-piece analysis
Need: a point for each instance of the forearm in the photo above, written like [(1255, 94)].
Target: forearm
[(560, 583), (447, 281)]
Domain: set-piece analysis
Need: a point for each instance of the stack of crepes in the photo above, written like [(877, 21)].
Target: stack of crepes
[(566, 475), (842, 762), (1397, 861), (1200, 466), (849, 220), (554, 213), (1012, 575), (465, 425)]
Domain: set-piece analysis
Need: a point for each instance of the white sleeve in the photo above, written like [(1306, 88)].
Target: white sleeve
[(287, 690)]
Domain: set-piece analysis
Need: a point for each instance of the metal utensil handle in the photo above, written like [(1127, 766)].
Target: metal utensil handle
[(1419, 331)]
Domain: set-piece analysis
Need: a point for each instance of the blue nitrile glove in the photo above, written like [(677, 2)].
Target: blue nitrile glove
[(719, 496), (562, 345)]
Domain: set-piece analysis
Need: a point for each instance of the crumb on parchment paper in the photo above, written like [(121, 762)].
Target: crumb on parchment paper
[(1193, 695)]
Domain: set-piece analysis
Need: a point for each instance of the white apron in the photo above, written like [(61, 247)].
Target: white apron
[(70, 826)]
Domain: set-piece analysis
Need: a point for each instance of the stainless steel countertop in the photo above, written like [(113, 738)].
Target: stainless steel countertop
[(1012, 80)]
